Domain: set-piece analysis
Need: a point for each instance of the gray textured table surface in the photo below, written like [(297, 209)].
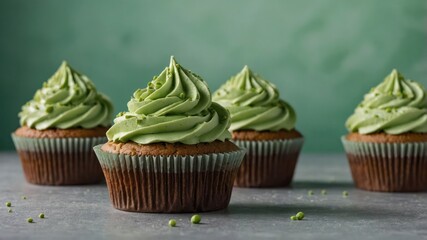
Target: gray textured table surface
[(84, 212)]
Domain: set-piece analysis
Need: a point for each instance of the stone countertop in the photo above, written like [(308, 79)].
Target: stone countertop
[(85, 212)]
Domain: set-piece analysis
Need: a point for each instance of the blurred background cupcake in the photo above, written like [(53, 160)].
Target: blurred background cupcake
[(59, 128), (263, 124), (170, 151), (387, 143)]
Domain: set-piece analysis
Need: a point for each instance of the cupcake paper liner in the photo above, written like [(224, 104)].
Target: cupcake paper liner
[(268, 163), (59, 161), (170, 183), (388, 167)]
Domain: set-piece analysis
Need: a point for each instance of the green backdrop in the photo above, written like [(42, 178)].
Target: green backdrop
[(322, 55)]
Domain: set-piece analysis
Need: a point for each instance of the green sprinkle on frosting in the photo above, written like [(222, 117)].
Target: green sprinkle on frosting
[(254, 103), (395, 106)]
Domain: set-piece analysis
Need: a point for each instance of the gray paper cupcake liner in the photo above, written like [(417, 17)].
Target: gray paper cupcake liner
[(388, 167), (59, 161), (269, 163), (170, 183), (171, 164)]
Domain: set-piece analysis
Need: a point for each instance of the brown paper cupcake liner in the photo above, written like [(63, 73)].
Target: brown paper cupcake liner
[(164, 184), (388, 167), (268, 163), (59, 161)]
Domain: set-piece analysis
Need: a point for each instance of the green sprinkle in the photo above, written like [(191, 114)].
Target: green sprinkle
[(154, 77), (300, 216), (9, 210), (182, 95), (294, 218), (120, 114), (323, 192), (310, 192), (172, 223), (158, 85), (8, 204), (195, 219), (345, 194), (24, 198), (41, 215), (178, 66), (49, 109), (30, 220)]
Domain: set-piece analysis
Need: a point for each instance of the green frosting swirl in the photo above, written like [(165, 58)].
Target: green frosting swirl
[(67, 100), (395, 106), (254, 103), (176, 106)]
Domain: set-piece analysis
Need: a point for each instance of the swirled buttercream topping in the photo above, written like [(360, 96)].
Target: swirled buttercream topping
[(176, 106), (254, 103), (67, 100), (395, 106)]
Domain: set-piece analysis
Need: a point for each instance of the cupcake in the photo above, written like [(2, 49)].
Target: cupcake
[(59, 127), (387, 144), (170, 151), (263, 124)]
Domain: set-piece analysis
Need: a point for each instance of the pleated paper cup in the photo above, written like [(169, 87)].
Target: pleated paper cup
[(269, 163), (165, 184), (59, 161), (388, 167)]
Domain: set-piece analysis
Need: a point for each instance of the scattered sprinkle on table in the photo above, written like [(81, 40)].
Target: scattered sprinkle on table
[(9, 210), (323, 192), (300, 215), (29, 220), (8, 204), (294, 218), (172, 223), (24, 198), (345, 194), (41, 215), (195, 219), (310, 192)]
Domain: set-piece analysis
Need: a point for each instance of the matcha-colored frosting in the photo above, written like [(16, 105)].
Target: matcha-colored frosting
[(254, 104), (395, 106), (175, 107), (67, 100)]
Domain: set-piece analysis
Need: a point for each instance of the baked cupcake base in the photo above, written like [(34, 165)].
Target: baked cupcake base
[(153, 178), (270, 159), (59, 157), (388, 163)]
